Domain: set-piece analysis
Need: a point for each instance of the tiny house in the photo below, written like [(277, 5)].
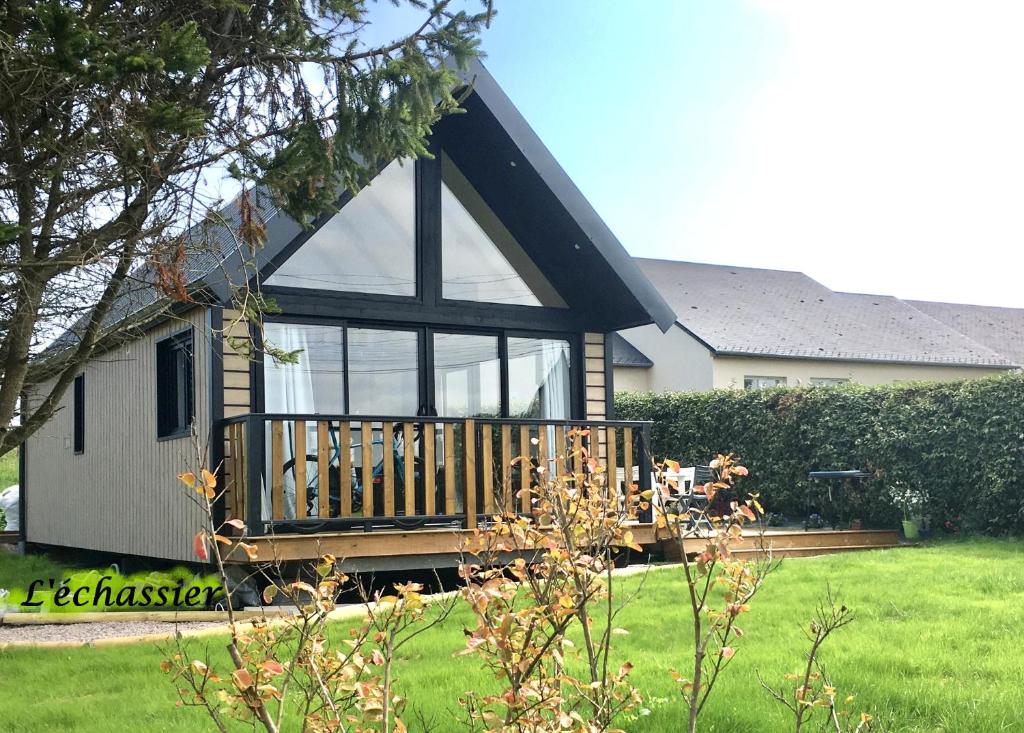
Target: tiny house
[(450, 316)]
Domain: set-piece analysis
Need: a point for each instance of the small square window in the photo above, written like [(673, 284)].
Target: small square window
[(174, 398), (78, 410), (763, 382)]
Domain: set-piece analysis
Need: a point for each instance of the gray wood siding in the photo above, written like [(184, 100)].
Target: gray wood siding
[(121, 494)]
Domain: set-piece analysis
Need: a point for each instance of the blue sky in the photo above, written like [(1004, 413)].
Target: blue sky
[(877, 145)]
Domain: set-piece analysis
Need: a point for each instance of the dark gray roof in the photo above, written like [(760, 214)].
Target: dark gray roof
[(749, 311), (624, 354), (1000, 329)]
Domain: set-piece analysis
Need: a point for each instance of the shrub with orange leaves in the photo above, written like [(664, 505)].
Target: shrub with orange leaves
[(559, 579), (720, 583), (287, 671)]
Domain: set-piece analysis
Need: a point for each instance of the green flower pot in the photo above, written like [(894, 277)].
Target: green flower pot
[(910, 530)]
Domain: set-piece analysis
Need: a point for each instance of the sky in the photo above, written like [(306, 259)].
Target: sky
[(876, 146)]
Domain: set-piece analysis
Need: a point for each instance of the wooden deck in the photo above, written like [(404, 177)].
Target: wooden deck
[(405, 492), (398, 549)]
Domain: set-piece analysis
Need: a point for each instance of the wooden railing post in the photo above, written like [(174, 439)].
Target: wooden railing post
[(254, 448), (469, 462)]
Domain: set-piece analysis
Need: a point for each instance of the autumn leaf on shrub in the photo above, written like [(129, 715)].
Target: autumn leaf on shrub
[(199, 546), (242, 678)]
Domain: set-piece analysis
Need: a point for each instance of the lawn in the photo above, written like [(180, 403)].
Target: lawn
[(8, 469), (934, 647), (18, 571)]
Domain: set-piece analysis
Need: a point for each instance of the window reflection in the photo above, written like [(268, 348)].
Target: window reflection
[(316, 382), (539, 378), (367, 247), (467, 375), (480, 259), (383, 372)]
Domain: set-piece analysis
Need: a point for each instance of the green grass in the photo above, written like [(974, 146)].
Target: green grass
[(18, 571), (935, 646), (8, 469)]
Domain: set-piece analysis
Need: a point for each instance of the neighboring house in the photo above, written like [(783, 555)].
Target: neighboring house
[(450, 317), (747, 328)]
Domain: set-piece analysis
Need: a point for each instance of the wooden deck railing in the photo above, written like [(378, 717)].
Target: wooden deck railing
[(312, 473)]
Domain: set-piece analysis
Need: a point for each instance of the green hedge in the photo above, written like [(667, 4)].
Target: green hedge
[(962, 442)]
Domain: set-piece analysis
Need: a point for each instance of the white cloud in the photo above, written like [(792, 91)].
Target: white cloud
[(885, 154)]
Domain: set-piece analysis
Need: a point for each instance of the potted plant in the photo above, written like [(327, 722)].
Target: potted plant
[(911, 502)]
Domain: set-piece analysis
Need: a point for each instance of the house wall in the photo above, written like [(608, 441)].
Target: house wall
[(681, 362), (632, 379), (730, 371), (121, 494)]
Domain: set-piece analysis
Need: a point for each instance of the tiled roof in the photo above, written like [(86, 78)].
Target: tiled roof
[(1000, 329), (743, 310)]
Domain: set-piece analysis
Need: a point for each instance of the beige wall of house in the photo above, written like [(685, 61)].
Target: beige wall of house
[(120, 494), (729, 372), (681, 362)]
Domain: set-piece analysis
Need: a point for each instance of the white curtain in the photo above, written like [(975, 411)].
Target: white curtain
[(553, 364), (288, 388)]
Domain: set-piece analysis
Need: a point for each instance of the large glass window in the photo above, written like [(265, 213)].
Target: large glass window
[(315, 383), (467, 375), (480, 259), (367, 247), (539, 378), (383, 372)]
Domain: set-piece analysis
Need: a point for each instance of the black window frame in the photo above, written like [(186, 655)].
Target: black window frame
[(78, 415), (428, 254), (171, 379), (425, 356)]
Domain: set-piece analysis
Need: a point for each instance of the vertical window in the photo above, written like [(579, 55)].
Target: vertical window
[(383, 372), (78, 396), (467, 375), (539, 378), (367, 247), (174, 400), (315, 382), (763, 382)]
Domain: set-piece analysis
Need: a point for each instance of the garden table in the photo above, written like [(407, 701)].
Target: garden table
[(836, 483)]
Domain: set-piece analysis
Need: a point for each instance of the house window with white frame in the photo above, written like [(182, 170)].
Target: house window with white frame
[(763, 382)]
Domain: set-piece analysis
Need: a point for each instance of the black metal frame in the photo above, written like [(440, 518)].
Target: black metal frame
[(425, 356)]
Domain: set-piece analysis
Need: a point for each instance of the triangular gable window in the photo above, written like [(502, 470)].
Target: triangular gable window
[(367, 247), (481, 261)]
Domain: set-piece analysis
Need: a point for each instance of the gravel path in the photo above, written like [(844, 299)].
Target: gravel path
[(90, 632)]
